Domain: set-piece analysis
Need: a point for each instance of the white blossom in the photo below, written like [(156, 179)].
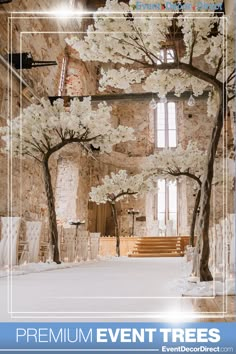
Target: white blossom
[(190, 161), (118, 185), (123, 34), (121, 79), (170, 163), (164, 81), (42, 127)]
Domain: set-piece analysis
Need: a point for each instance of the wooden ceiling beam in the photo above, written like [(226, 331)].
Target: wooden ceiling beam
[(144, 96)]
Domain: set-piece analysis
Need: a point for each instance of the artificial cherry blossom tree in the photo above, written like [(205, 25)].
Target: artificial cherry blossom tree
[(188, 162), (43, 129), (116, 187), (173, 163), (202, 58)]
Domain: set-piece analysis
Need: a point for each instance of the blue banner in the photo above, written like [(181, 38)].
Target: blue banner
[(118, 337)]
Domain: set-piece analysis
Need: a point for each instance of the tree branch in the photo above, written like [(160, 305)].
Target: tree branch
[(59, 133), (231, 76), (146, 51), (85, 134), (218, 66), (144, 64), (190, 69), (65, 142), (185, 173), (231, 98), (31, 155), (36, 145), (192, 48), (47, 140), (123, 193)]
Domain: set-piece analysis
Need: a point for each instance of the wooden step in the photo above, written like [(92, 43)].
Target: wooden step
[(158, 239), (153, 245), (157, 249), (167, 246), (156, 255), (157, 243)]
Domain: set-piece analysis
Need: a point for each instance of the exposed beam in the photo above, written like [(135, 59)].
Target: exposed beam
[(132, 97)]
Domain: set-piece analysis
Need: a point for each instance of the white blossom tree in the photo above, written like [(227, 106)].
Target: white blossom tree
[(43, 129), (116, 187), (173, 163), (189, 162), (202, 57)]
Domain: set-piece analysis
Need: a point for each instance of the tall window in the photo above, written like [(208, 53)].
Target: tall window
[(166, 112), (62, 76), (166, 125), (166, 55), (167, 203), (166, 137)]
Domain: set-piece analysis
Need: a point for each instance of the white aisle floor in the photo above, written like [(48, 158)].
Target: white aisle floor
[(114, 289)]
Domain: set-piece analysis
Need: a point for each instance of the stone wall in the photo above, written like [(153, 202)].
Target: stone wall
[(81, 78), (24, 87), (76, 170), (138, 115), (194, 124), (26, 197)]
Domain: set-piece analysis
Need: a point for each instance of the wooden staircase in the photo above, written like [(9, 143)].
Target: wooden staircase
[(168, 246)]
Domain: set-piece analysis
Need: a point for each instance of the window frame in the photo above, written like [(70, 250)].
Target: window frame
[(167, 203), (164, 55), (63, 73), (166, 124)]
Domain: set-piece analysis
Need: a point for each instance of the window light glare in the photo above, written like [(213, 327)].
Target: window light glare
[(64, 12), (176, 316)]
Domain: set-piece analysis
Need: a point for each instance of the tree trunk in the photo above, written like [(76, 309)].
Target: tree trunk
[(194, 217), (114, 214), (205, 274), (51, 210), (196, 258)]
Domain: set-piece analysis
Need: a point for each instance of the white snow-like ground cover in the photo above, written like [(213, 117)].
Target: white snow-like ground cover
[(27, 268), (108, 289), (191, 286)]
